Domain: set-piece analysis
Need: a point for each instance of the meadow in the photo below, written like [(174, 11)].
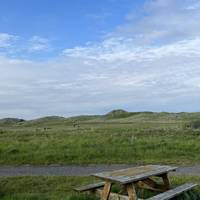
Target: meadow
[(138, 138), (118, 137)]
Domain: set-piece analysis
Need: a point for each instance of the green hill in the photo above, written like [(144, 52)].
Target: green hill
[(10, 121), (117, 116)]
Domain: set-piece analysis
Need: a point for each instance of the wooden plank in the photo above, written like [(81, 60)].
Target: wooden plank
[(151, 185), (131, 192), (106, 191), (166, 181), (135, 173), (89, 187), (173, 192), (113, 196)]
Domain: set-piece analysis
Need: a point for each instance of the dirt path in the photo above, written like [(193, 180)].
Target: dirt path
[(74, 170)]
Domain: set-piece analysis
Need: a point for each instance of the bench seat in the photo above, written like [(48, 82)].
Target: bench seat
[(173, 192), (162, 196), (90, 187)]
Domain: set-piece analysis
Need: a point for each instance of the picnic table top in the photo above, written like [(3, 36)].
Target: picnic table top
[(134, 174)]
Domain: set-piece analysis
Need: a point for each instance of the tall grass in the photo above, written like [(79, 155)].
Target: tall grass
[(100, 143)]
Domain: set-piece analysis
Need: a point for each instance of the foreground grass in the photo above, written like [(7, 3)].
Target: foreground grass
[(105, 143), (54, 188), (36, 188)]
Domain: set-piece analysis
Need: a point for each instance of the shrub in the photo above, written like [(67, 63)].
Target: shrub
[(194, 124)]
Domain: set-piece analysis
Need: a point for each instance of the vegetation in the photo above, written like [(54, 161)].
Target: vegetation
[(194, 124), (53, 188), (118, 114), (118, 137)]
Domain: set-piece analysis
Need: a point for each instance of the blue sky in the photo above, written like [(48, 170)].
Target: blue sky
[(89, 57), (64, 24)]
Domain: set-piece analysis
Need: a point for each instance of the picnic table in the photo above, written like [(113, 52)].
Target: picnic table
[(136, 178)]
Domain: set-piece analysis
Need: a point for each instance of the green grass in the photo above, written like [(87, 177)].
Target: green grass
[(118, 137), (54, 188), (105, 143), (35, 188)]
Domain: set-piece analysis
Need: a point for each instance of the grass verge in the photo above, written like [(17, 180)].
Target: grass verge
[(60, 188)]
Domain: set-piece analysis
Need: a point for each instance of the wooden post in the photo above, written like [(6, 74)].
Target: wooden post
[(166, 181), (106, 191), (131, 191)]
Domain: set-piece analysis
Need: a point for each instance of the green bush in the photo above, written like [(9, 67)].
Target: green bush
[(194, 124)]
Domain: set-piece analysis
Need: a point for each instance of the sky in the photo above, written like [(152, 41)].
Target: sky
[(79, 57)]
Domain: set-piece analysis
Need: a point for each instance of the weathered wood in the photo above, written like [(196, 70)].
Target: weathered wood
[(89, 187), (173, 192), (134, 174), (112, 196), (136, 177), (131, 192), (106, 191), (166, 181), (151, 185)]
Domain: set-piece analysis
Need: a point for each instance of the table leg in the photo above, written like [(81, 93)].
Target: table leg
[(166, 181), (150, 184), (106, 191), (131, 191)]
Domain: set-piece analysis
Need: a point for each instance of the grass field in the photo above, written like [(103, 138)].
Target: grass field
[(118, 137), (54, 188)]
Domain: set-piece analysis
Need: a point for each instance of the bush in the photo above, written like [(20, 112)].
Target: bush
[(194, 124)]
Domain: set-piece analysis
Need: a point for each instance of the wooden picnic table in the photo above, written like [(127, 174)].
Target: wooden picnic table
[(136, 177)]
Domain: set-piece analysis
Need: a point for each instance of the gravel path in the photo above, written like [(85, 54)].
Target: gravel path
[(74, 170)]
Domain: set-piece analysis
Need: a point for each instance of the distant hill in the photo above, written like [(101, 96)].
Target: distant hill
[(46, 120), (118, 116), (10, 121)]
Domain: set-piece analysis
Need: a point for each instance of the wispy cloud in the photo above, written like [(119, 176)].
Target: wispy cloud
[(164, 22), (38, 43), (149, 65), (124, 49), (194, 6), (6, 40), (99, 18), (14, 45)]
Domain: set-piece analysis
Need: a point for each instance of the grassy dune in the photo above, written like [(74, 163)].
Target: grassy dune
[(113, 138), (118, 137)]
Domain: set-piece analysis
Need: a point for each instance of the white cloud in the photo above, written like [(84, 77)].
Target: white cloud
[(124, 49), (164, 21), (151, 65), (194, 6), (6, 40), (99, 18), (38, 43)]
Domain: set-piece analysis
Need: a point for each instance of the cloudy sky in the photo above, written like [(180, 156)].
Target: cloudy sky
[(89, 57)]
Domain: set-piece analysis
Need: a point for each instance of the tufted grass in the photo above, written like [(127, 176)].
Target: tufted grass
[(101, 143)]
